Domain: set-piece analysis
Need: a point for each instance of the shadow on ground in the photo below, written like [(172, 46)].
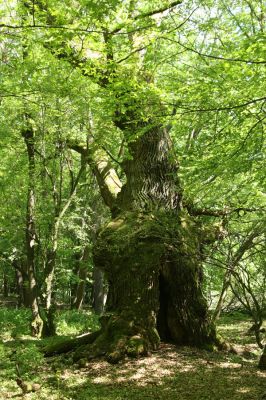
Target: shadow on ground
[(171, 373)]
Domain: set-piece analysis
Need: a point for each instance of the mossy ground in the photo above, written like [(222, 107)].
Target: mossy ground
[(170, 373)]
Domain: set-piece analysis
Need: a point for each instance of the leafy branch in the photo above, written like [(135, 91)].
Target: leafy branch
[(220, 58), (225, 108)]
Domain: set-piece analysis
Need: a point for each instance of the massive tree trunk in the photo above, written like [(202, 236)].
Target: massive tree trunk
[(150, 253), (151, 256)]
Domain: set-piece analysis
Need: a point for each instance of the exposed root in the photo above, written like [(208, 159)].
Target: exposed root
[(116, 339), (70, 344), (120, 337), (114, 345), (115, 351)]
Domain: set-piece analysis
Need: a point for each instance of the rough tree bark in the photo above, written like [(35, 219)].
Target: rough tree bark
[(151, 256), (150, 253)]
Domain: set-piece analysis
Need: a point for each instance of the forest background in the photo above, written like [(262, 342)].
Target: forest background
[(80, 84)]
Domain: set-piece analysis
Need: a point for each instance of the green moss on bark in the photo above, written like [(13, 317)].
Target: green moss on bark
[(152, 263), (144, 254)]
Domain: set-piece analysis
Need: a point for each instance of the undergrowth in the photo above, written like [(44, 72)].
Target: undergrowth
[(171, 373)]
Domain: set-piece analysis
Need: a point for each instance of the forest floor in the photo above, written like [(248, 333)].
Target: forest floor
[(180, 373)]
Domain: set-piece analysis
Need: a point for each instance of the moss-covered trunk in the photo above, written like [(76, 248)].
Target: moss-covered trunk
[(152, 261), (150, 254)]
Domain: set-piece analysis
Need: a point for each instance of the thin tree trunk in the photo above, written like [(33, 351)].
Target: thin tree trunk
[(82, 272), (99, 291), (82, 276), (233, 263), (30, 235), (49, 277), (80, 290), (5, 285), (74, 283), (19, 289), (52, 253), (222, 297)]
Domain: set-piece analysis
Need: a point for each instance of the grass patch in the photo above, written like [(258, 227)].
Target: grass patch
[(74, 322), (15, 323), (234, 327)]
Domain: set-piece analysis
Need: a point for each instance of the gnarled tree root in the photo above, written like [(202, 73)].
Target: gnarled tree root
[(69, 344), (117, 338), (120, 336), (133, 346)]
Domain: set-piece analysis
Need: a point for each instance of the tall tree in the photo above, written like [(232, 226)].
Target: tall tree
[(150, 251)]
